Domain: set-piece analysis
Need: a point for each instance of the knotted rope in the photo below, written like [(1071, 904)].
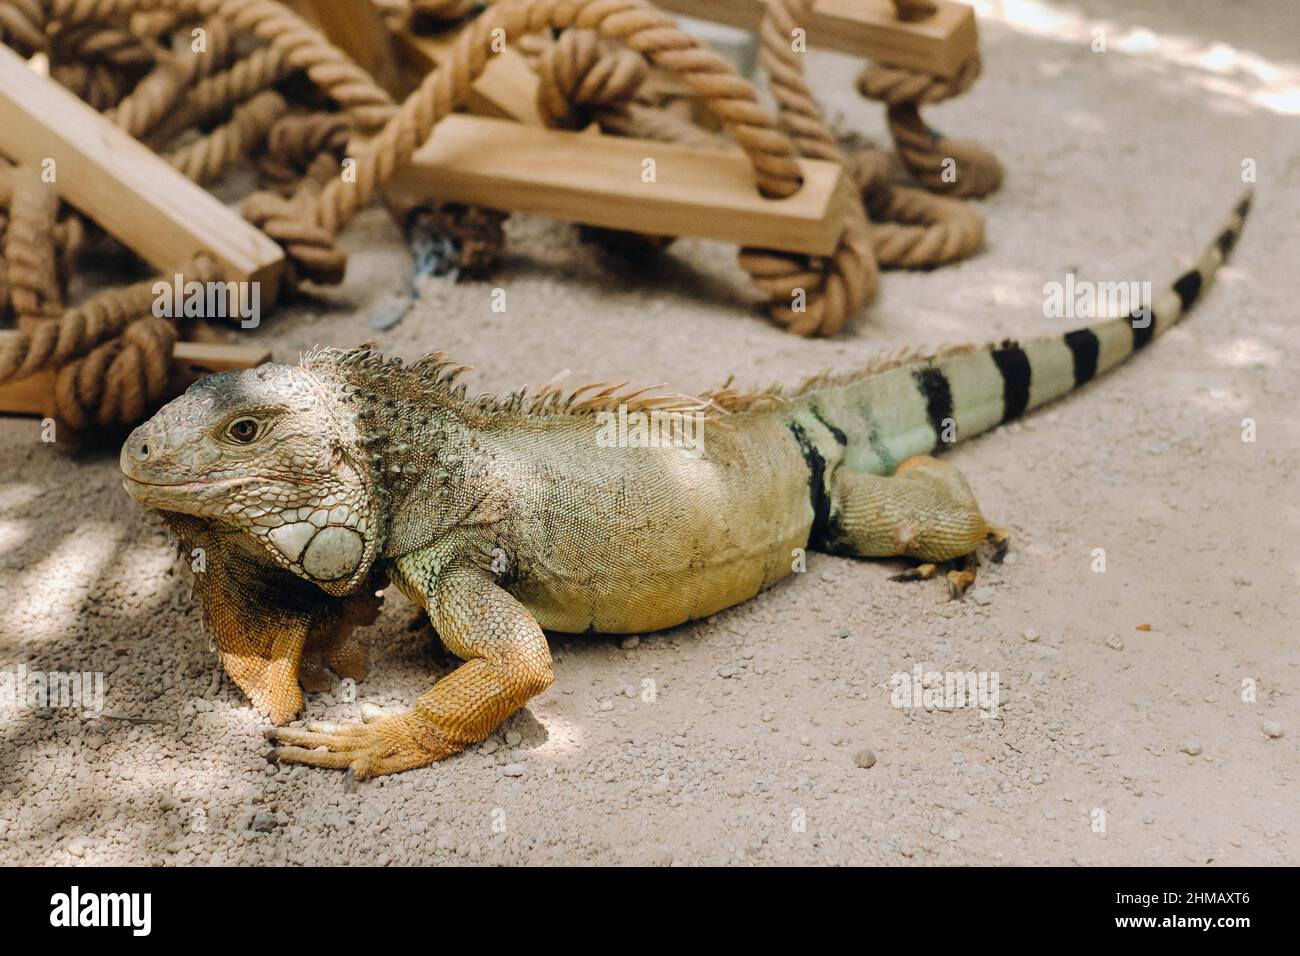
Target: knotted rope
[(208, 99), (958, 167), (584, 79)]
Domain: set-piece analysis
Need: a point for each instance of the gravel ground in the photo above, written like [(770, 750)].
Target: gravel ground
[(771, 737)]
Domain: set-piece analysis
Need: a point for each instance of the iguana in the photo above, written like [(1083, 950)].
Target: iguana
[(305, 489)]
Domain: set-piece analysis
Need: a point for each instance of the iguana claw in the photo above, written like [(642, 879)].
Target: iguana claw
[(366, 750)]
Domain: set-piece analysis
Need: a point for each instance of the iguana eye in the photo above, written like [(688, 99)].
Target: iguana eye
[(242, 430)]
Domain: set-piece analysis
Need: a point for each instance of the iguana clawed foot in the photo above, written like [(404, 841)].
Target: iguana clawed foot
[(922, 572), (369, 750), (961, 578)]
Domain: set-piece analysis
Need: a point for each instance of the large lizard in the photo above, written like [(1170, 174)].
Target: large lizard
[(306, 488)]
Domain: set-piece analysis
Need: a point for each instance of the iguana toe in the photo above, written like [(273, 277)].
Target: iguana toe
[(367, 750)]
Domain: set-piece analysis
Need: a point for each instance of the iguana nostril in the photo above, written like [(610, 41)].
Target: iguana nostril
[(142, 451)]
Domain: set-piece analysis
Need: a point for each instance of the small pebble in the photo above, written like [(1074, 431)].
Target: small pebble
[(630, 642), (1191, 747), (514, 769), (513, 737), (1031, 635), (866, 759), (606, 705), (1115, 643), (1272, 729), (982, 596)]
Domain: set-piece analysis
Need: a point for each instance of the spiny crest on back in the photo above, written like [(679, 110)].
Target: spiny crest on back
[(436, 377), (733, 400), (363, 369)]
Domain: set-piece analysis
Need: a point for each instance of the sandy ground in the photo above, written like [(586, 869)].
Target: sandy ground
[(1120, 165)]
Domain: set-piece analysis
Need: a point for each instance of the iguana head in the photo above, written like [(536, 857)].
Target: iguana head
[(272, 452)]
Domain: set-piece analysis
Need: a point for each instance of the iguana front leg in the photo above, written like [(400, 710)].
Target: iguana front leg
[(270, 628), (507, 661)]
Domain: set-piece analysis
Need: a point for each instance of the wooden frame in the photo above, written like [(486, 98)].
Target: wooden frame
[(134, 193), (939, 44), (598, 180)]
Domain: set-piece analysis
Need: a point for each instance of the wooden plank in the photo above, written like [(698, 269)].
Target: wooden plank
[(356, 28), (940, 44), (127, 188), (507, 88), (190, 362), (597, 180)]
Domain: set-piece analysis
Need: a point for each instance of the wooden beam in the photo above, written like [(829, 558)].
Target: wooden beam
[(597, 180), (127, 188), (356, 28), (939, 44), (190, 362), (507, 88)]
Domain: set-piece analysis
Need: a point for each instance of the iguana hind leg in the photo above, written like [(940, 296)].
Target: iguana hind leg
[(507, 661), (925, 510)]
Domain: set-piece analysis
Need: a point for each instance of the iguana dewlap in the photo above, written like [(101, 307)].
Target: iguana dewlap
[(307, 488)]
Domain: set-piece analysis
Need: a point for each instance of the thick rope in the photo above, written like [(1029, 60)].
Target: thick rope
[(647, 30), (807, 295), (309, 248), (580, 71), (298, 43), (155, 96), (584, 79), (943, 164), (215, 95), (96, 83), (79, 330), (296, 141), (919, 230), (30, 251), (117, 381), (204, 160), (957, 167)]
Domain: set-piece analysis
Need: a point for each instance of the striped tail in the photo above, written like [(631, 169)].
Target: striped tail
[(956, 396)]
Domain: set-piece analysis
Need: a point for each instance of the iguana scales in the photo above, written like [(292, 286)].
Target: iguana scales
[(311, 487)]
